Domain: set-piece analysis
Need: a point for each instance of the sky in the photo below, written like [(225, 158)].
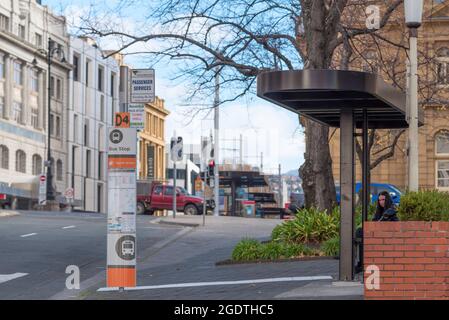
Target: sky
[(268, 131)]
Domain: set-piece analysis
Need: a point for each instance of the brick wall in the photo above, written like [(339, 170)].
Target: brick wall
[(413, 259)]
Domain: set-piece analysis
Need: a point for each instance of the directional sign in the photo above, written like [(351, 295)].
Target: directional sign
[(122, 120), (42, 189), (142, 85), (137, 115)]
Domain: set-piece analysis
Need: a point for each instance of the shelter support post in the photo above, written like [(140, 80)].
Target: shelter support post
[(347, 232), (365, 169)]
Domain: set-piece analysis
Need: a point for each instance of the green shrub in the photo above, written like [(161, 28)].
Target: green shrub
[(331, 247), (250, 249), (247, 249), (309, 225), (430, 205)]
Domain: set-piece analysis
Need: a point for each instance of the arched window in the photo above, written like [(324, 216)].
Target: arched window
[(4, 157), (37, 165), (442, 162), (443, 65), (59, 170), (20, 161)]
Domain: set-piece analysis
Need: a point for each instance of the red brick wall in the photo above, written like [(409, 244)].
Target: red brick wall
[(413, 259)]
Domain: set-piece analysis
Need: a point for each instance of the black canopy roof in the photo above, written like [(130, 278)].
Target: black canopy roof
[(322, 94)]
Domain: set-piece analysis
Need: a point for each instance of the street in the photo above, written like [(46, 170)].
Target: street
[(42, 244), (174, 261)]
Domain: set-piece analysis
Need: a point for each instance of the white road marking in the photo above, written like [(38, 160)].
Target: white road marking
[(68, 227), (28, 235), (218, 283), (8, 277)]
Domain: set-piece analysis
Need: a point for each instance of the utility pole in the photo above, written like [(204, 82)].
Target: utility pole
[(217, 146), (281, 188), (174, 180), (241, 152)]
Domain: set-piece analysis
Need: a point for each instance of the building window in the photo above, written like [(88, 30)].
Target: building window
[(35, 118), (59, 170), (34, 84), (87, 72), (58, 126), (442, 143), (443, 66), (52, 87), (76, 67), (21, 31), (37, 165), (2, 66), (86, 133), (100, 79), (112, 84), (16, 111), (20, 161), (18, 73), (88, 163), (4, 22), (52, 125), (102, 108), (38, 40), (58, 89), (443, 174), (2, 107), (75, 128), (4, 157), (100, 165)]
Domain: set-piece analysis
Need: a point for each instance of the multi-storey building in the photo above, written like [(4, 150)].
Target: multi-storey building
[(433, 48), (93, 87), (25, 30)]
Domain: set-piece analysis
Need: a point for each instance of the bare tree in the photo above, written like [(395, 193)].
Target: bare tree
[(242, 38)]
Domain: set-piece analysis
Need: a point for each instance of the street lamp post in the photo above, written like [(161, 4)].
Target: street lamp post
[(413, 19), (51, 51)]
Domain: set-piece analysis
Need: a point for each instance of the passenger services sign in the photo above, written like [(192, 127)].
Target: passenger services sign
[(142, 85)]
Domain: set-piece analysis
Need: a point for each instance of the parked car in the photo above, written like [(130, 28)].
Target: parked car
[(160, 197), (375, 189)]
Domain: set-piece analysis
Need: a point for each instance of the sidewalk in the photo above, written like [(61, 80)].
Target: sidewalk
[(191, 260), (8, 213)]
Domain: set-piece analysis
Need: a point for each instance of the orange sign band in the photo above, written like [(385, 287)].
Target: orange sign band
[(122, 162), (121, 277)]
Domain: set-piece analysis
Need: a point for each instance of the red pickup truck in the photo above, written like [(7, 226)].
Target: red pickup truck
[(160, 197)]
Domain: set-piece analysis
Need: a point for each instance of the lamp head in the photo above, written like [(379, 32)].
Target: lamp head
[(413, 13)]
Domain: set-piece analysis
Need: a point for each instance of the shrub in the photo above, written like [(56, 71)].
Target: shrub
[(309, 225), (246, 249), (249, 249), (430, 205), (331, 247)]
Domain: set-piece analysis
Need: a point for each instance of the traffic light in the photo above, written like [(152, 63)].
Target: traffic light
[(211, 168)]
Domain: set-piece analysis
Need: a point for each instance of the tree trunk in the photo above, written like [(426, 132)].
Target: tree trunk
[(316, 172)]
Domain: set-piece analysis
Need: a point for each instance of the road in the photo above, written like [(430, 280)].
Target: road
[(36, 248)]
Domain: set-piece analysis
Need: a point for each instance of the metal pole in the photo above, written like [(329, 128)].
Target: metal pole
[(281, 188), (241, 152), (365, 169), (204, 199), (174, 180), (174, 189), (346, 270), (413, 125), (50, 193), (217, 145)]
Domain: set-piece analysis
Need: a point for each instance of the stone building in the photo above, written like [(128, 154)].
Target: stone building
[(25, 30), (433, 47), (94, 91)]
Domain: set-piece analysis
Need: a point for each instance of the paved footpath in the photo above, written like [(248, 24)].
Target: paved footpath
[(185, 268)]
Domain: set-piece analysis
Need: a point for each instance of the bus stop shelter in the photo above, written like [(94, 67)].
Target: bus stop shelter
[(346, 100)]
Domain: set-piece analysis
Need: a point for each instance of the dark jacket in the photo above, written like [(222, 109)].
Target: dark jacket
[(388, 215)]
